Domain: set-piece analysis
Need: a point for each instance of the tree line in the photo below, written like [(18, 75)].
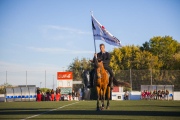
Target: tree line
[(162, 53)]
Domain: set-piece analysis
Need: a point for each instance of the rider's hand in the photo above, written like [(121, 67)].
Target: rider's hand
[(91, 60), (95, 55)]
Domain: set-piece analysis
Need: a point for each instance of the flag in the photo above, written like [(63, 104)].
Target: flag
[(100, 33)]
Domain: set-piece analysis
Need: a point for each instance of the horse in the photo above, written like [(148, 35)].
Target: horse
[(102, 83)]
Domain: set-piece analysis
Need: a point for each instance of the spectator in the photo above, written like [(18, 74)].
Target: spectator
[(57, 94), (69, 95), (163, 94), (151, 95), (42, 97), (155, 94), (143, 94), (147, 94), (73, 94), (78, 95), (52, 95), (126, 95), (49, 95), (159, 94), (38, 94), (167, 94)]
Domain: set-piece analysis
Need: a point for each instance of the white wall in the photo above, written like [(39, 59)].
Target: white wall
[(2, 97), (176, 96), (118, 95), (135, 95)]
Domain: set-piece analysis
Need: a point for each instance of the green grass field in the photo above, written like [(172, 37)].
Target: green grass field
[(86, 110)]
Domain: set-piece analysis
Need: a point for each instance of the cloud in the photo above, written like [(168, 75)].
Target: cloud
[(72, 30), (59, 50)]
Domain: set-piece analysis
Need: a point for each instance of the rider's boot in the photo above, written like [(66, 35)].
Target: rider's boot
[(111, 83)]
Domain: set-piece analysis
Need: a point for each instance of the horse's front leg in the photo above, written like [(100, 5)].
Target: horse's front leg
[(98, 95), (109, 90), (103, 98)]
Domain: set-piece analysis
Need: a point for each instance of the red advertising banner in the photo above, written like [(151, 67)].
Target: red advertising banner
[(116, 89), (64, 75)]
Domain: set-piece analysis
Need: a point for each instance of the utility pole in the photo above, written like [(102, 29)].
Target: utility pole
[(53, 82), (151, 76), (130, 80), (45, 80), (26, 78), (6, 77)]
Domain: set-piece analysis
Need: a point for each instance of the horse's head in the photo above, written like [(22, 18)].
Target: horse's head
[(86, 77), (97, 63)]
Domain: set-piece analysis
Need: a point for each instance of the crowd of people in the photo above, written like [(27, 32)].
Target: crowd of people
[(156, 95), (52, 95)]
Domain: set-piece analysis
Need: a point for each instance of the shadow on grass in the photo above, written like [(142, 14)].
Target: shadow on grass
[(24, 109), (88, 112)]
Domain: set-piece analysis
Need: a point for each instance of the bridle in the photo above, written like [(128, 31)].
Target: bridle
[(99, 73)]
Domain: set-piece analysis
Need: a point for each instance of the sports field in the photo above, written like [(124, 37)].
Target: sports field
[(86, 110)]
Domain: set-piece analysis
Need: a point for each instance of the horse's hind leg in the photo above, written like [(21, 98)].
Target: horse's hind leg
[(98, 94), (108, 96)]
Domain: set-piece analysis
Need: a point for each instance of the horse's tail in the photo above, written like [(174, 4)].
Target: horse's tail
[(119, 83)]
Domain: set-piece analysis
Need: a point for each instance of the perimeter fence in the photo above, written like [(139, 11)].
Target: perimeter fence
[(136, 78)]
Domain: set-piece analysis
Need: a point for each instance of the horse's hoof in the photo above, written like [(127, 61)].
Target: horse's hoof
[(97, 109), (102, 108), (107, 107)]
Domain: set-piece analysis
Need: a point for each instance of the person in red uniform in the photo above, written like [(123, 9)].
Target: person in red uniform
[(38, 94), (143, 94), (52, 95), (70, 95), (147, 94), (57, 96)]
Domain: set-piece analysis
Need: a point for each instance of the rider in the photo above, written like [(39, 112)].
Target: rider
[(105, 56)]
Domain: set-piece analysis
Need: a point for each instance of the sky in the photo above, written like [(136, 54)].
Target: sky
[(46, 35)]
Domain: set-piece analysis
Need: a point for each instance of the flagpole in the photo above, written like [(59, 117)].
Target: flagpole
[(93, 35)]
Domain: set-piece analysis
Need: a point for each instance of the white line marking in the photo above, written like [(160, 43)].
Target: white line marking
[(48, 111)]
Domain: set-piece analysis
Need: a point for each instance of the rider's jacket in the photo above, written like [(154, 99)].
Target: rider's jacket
[(105, 58)]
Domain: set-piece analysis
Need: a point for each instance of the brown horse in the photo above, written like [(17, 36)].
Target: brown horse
[(102, 84), (102, 81)]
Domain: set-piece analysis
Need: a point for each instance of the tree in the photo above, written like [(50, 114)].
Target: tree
[(164, 48), (44, 89), (131, 57)]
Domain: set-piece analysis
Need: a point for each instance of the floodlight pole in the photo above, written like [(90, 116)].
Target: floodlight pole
[(130, 80), (151, 76), (45, 80), (26, 78), (6, 77), (53, 82)]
